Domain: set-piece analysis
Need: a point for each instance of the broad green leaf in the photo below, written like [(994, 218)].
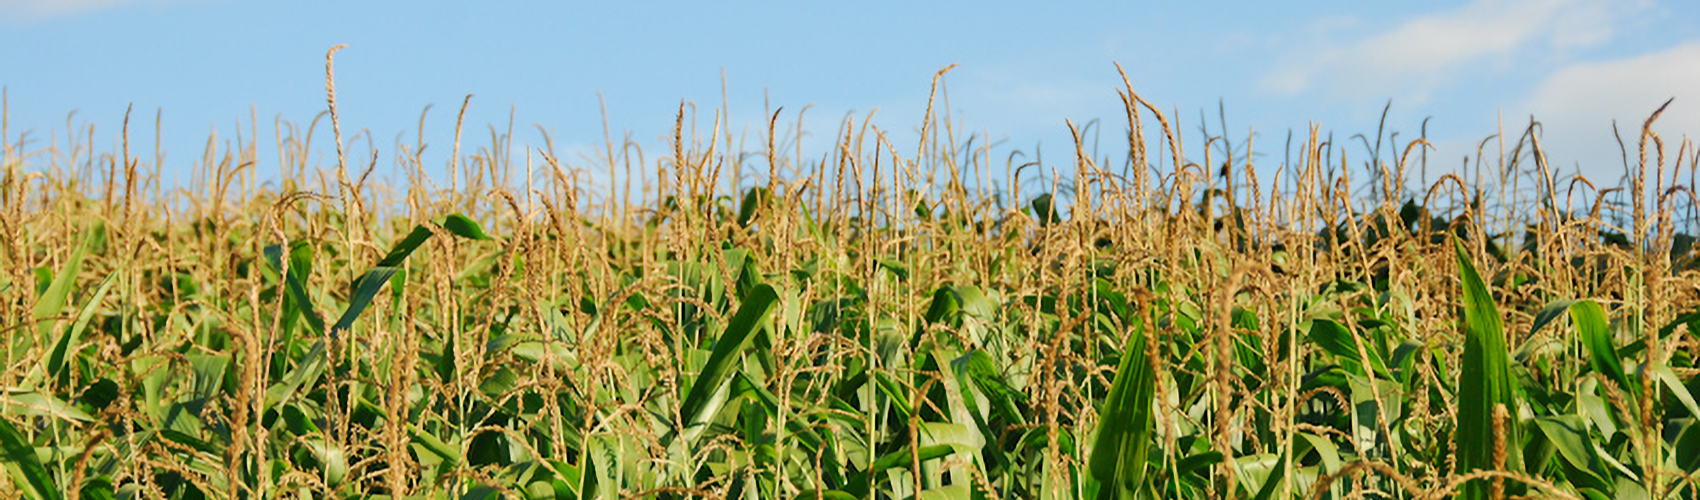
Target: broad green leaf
[(58, 291), (1044, 210), (825, 495), (71, 336), (462, 226), (1591, 326), (190, 441), (209, 372), (1675, 385), (944, 303), (1259, 474), (1686, 452), (430, 442), (902, 458), (1404, 356), (1197, 462), (456, 224), (1124, 424), (400, 250), (1692, 319), (1569, 433), (99, 488), (1485, 381), (42, 405), (948, 492), (1325, 449), (369, 285), (753, 199), (333, 463), (896, 267), (731, 343), (1549, 313), (295, 283), (1343, 344), (976, 367), (894, 392), (23, 463), (419, 436), (304, 375)]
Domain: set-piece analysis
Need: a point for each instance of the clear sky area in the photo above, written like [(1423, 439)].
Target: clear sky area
[(1023, 68)]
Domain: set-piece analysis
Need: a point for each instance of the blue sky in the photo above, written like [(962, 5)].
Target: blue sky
[(1023, 69)]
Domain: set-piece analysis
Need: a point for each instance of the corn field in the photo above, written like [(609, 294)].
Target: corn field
[(876, 321)]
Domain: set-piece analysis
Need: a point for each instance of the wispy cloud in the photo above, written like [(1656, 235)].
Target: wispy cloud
[(1415, 56), (42, 9), (1577, 105)]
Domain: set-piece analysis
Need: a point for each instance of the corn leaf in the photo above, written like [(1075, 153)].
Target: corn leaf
[(71, 336), (1485, 381), (52, 301), (1124, 424), (1343, 344), (733, 340), (24, 465), (369, 285), (295, 283)]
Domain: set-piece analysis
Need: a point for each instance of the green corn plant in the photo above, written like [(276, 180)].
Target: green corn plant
[(865, 326), (1485, 382), (1124, 428)]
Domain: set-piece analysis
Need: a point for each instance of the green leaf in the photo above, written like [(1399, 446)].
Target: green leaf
[(976, 367), (436, 446), (825, 495), (400, 250), (192, 442), (901, 458), (1686, 452), (896, 267), (1692, 319), (1343, 344), (1325, 449), (99, 394), (1591, 326), (462, 226), (73, 335), (209, 373), (333, 463), (369, 285), (1485, 381), (58, 291), (1569, 433), (753, 199), (99, 488), (894, 391), (1675, 385), (1551, 312), (1198, 461), (21, 458), (304, 375), (1045, 210), (1261, 466), (36, 404), (456, 224), (732, 341), (1124, 424), (295, 282)]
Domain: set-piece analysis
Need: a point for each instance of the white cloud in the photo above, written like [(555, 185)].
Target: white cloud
[(1577, 105), (1416, 55), (41, 9)]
